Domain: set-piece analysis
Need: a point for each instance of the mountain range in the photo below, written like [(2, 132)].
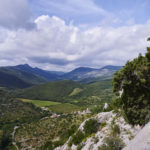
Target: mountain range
[(22, 76)]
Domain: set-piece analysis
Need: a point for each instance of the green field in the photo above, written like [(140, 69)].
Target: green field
[(53, 106), (64, 108), (40, 103)]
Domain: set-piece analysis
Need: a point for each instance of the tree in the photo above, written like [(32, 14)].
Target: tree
[(132, 85), (112, 143), (91, 126)]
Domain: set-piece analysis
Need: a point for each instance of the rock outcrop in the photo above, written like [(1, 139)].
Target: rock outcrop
[(141, 140), (127, 132)]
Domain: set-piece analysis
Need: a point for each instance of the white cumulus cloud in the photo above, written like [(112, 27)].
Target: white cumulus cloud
[(54, 45)]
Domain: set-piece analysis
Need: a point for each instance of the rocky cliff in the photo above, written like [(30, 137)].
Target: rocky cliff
[(106, 121)]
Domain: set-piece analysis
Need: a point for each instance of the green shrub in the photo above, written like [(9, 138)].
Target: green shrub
[(91, 126), (97, 109), (70, 143), (80, 146), (95, 139), (72, 130), (115, 130), (6, 137), (111, 143), (103, 124), (59, 143), (5, 141), (77, 138), (47, 146)]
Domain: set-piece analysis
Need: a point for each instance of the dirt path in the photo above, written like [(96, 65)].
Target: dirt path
[(13, 137)]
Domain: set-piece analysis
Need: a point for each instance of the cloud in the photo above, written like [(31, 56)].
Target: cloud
[(15, 14), (54, 45), (48, 60)]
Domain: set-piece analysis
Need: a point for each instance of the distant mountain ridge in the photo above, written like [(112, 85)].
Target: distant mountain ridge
[(112, 67), (85, 73), (48, 75), (22, 76), (13, 78)]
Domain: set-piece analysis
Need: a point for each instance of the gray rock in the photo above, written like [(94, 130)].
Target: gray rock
[(141, 140)]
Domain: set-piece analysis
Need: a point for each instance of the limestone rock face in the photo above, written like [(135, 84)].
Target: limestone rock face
[(141, 140), (126, 132)]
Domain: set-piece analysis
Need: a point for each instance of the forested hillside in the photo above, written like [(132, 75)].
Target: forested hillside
[(14, 78), (54, 91), (67, 91)]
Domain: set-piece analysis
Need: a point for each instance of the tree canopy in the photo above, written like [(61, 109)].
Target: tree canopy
[(132, 86)]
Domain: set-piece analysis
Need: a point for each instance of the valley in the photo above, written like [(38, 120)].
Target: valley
[(64, 114), (46, 113), (68, 91)]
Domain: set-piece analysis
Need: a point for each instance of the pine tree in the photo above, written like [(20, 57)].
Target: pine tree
[(132, 86)]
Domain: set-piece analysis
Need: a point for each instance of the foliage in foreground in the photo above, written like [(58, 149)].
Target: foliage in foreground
[(132, 85), (112, 143), (78, 137), (91, 126)]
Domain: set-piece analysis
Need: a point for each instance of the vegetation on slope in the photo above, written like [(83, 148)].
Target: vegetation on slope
[(53, 91), (14, 78), (100, 89), (71, 92), (132, 83), (13, 113), (64, 108), (47, 75), (112, 143), (11, 81), (48, 132), (40, 103)]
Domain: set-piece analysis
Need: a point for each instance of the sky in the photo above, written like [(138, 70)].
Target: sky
[(65, 34)]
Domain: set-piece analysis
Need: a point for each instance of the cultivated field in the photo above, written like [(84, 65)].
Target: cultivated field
[(40, 103)]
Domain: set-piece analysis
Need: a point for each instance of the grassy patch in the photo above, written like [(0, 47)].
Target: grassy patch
[(40, 103), (54, 106), (112, 143), (64, 108), (76, 91)]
